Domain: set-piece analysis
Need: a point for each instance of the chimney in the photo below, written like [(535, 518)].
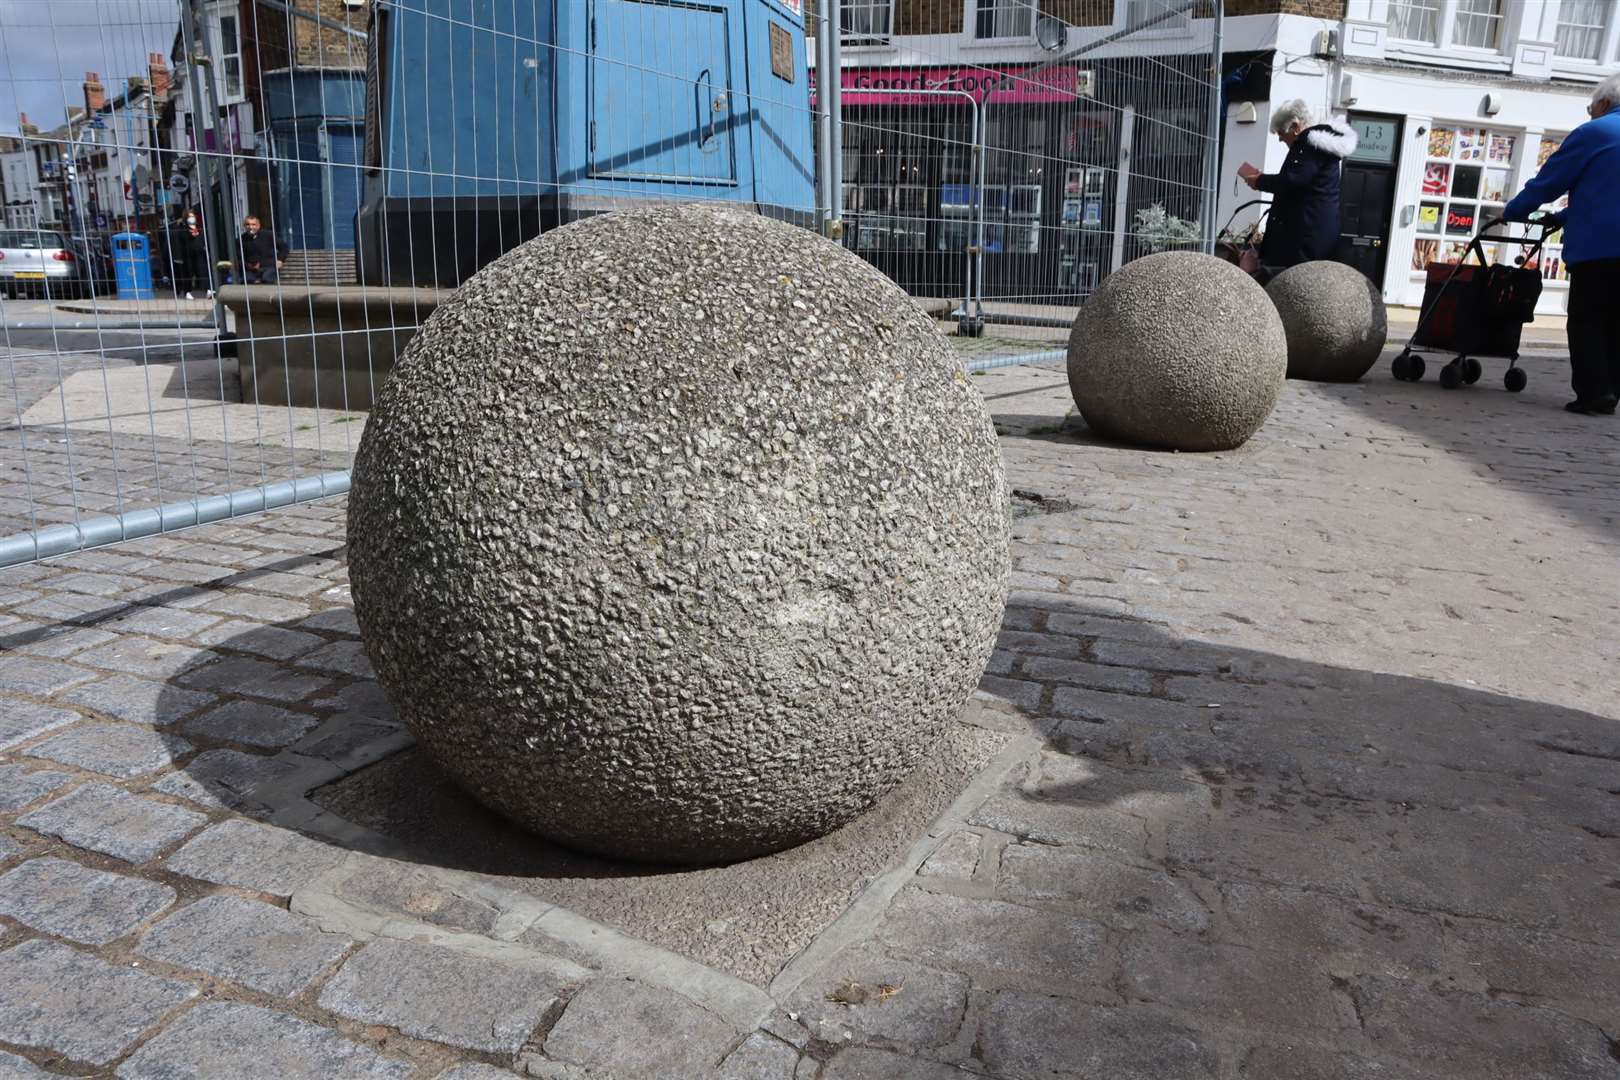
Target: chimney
[(95, 95), (157, 71)]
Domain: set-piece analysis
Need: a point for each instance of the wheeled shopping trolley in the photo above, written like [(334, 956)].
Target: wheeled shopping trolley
[(1475, 310)]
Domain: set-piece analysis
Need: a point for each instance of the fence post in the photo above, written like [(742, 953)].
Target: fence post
[(835, 117), (1217, 124)]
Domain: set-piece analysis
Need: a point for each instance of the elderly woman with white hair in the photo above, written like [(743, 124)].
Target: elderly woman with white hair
[(1304, 221), (1587, 168)]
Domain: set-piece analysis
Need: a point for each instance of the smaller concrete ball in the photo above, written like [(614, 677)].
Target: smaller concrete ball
[(1178, 350), (1334, 318)]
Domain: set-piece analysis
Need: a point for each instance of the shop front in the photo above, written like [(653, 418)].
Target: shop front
[(1060, 211), (1439, 155)]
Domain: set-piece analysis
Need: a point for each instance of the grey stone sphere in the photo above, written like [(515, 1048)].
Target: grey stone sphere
[(678, 535), (1177, 350), (1334, 318)]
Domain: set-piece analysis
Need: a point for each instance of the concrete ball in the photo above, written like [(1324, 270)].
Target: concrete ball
[(1334, 318), (678, 535), (1177, 350)]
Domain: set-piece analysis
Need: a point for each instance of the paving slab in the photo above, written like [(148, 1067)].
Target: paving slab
[(38, 677), (100, 817), (145, 656), (1025, 1036), (223, 1038), (81, 1007), (760, 1057), (255, 678), (13, 1067), (344, 657), (93, 907), (249, 855), (116, 749), (245, 942), (997, 943), (252, 723), (139, 701), (632, 1031), (445, 995), (225, 779), (274, 642), (24, 720)]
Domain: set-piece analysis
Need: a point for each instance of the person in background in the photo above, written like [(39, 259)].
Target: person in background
[(260, 255), (1587, 168), (194, 245), (1304, 222)]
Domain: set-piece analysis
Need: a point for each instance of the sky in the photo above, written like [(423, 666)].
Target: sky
[(46, 46)]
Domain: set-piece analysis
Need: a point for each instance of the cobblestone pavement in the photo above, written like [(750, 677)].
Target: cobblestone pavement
[(1312, 771)]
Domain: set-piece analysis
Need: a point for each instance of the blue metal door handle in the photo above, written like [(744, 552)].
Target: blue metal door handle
[(706, 116)]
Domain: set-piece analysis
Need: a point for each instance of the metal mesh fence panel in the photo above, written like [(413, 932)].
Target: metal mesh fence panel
[(224, 219)]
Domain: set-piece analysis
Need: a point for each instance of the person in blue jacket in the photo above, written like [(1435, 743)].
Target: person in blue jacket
[(1587, 168)]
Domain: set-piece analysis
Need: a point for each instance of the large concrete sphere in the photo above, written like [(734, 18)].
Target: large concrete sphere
[(678, 535), (1178, 350), (1334, 318)]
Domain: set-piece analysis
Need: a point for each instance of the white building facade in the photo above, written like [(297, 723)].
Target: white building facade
[(1457, 102)]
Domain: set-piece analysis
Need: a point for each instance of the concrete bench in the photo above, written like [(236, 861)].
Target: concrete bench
[(323, 345)]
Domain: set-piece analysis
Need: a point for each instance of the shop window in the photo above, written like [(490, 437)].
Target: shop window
[(867, 22), (1582, 25), (1004, 19), (1551, 260), (1465, 184)]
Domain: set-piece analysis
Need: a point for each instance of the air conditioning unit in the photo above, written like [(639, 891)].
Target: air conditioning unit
[(1325, 46)]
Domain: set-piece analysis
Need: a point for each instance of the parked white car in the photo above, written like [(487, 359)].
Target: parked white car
[(33, 261)]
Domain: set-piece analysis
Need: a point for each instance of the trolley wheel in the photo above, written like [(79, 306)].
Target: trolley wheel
[(1401, 367), (1471, 370), (1415, 370), (1515, 380), (1451, 376)]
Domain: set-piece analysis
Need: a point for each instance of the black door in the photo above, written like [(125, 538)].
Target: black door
[(1367, 203)]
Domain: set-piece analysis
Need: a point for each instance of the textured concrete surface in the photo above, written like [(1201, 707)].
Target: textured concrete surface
[(722, 537), (1335, 320), (748, 919), (1177, 350), (1320, 757)]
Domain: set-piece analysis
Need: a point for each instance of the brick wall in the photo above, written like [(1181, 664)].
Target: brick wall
[(1317, 9), (319, 46)]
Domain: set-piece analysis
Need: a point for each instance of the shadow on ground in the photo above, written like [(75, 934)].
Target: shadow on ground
[(1213, 862)]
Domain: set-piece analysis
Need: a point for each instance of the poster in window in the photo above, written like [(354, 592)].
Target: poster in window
[(1436, 178), (1441, 140), (1428, 218), (1546, 150), (1453, 251), (1425, 252), (1470, 144), (1494, 188), (1460, 220), (1501, 152), (1071, 181), (1465, 181)]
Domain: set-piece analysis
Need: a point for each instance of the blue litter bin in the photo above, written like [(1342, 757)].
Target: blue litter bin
[(132, 266)]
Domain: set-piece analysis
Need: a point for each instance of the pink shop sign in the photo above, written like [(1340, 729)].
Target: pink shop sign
[(1015, 85)]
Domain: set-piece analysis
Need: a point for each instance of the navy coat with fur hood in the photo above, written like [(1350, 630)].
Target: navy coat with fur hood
[(1304, 221)]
